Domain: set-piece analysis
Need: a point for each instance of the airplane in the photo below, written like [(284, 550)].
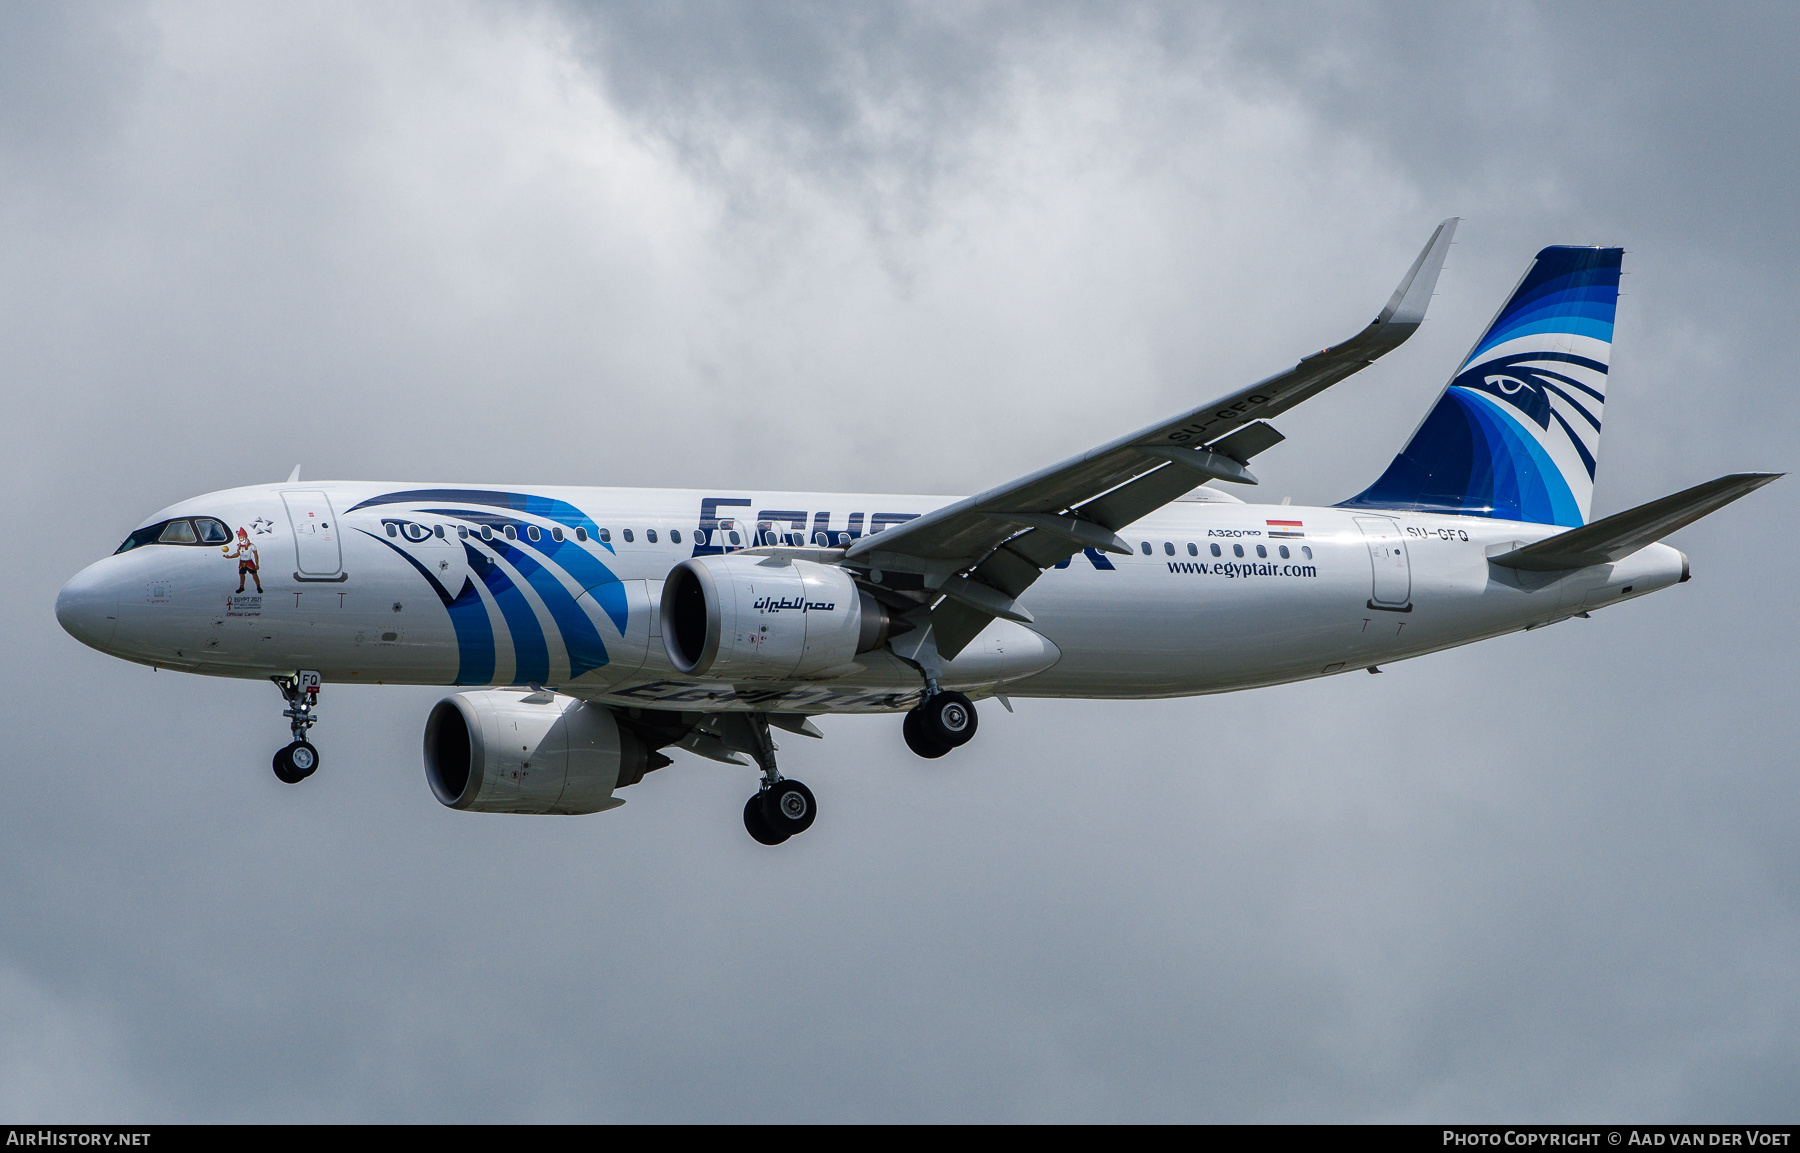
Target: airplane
[(595, 630)]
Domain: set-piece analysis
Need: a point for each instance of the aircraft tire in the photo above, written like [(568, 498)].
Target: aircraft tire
[(789, 807), (913, 729), (758, 825), (296, 762), (948, 719)]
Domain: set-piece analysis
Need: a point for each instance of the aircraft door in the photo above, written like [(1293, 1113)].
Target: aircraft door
[(1387, 554), (317, 553)]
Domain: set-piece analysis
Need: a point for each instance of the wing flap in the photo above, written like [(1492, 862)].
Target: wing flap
[(1247, 441)]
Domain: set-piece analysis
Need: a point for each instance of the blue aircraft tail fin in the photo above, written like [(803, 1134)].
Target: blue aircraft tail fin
[(1516, 432)]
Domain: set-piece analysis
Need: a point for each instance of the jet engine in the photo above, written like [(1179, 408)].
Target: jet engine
[(745, 617), (513, 752)]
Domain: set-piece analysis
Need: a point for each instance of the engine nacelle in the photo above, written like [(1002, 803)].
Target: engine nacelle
[(747, 618), (501, 752)]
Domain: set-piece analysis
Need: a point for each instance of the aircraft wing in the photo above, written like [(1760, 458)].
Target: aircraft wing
[(981, 553)]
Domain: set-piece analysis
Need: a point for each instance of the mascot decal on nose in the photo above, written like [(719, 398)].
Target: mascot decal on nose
[(247, 558)]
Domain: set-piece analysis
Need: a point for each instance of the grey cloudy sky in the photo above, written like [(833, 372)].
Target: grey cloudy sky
[(901, 248)]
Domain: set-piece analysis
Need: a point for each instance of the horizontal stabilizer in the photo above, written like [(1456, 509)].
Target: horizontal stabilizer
[(1624, 533)]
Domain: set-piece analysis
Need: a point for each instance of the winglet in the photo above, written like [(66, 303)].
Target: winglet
[(295, 475), (1407, 305)]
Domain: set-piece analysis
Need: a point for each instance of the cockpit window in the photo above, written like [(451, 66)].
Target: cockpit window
[(181, 530), (142, 536)]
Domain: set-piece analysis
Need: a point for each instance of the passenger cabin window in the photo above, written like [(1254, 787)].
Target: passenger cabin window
[(532, 532), (1306, 551), (512, 533), (650, 535), (606, 536), (1168, 548), (556, 534), (1237, 550), (1215, 550), (735, 538), (462, 533), (674, 536), (628, 537), (1284, 552), (487, 532), (1193, 549), (1262, 552), (393, 529), (178, 532), (437, 530), (1146, 548), (581, 535)]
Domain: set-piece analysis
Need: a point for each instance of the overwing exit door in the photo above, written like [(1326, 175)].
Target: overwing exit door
[(1387, 554), (318, 556)]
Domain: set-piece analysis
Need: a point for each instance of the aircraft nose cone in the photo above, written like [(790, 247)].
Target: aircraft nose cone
[(88, 608)]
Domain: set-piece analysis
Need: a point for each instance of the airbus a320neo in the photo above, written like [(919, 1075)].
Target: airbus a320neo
[(591, 631)]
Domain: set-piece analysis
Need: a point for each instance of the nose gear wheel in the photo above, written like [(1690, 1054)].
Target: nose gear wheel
[(296, 762)]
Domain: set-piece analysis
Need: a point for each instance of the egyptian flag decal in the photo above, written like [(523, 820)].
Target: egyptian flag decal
[(1286, 528)]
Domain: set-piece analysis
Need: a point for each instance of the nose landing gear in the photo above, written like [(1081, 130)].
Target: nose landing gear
[(299, 760)]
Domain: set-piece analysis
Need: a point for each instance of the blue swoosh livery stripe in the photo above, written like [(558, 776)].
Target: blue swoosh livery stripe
[(531, 655), (579, 563), (468, 616), (540, 564), (582, 641), (543, 507)]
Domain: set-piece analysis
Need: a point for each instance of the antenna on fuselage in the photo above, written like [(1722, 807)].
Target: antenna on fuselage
[(295, 475)]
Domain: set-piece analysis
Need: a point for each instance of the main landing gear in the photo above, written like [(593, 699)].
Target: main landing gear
[(939, 723), (298, 760), (781, 808)]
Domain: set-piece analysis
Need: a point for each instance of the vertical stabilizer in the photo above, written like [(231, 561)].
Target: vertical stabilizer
[(1516, 433)]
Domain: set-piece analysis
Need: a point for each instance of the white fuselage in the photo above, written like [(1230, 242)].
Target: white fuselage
[(377, 583)]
